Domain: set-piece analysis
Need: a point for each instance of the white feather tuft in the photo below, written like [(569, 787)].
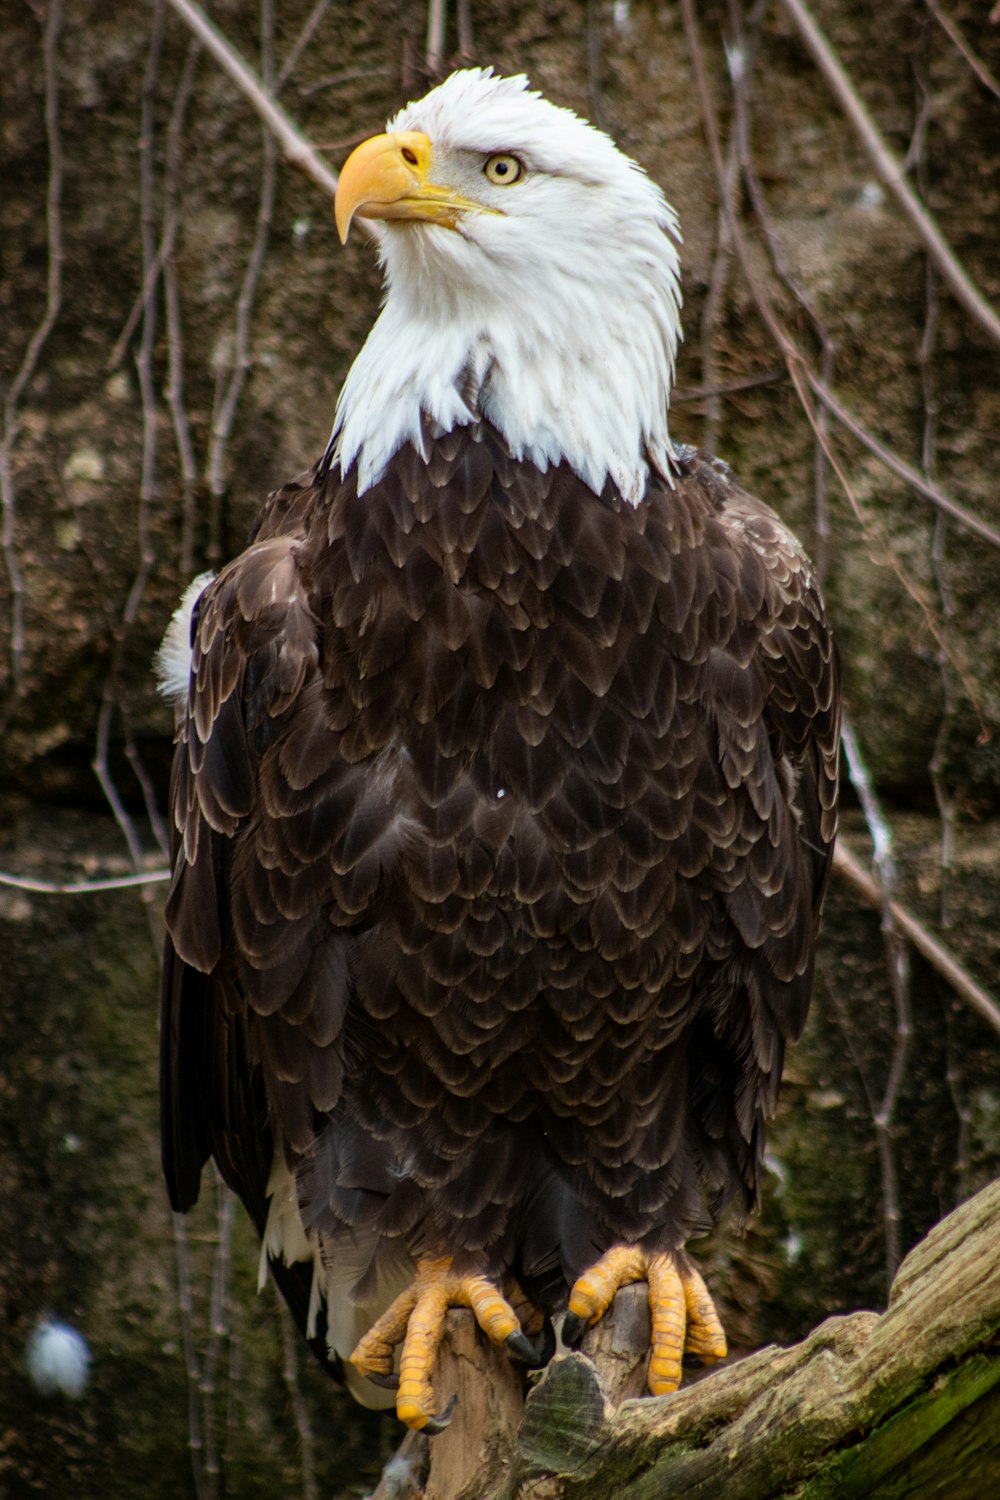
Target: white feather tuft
[(172, 662), (401, 1476), (58, 1359), (339, 1267)]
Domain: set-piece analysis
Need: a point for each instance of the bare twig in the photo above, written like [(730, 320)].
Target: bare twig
[(936, 953), (144, 366), (19, 384), (898, 967), (821, 499), (465, 28), (681, 395), (230, 388), (946, 803), (143, 295), (437, 19), (82, 887), (185, 1307), (218, 1330), (300, 1411), (345, 75), (719, 279), (894, 463), (891, 172), (174, 388), (975, 62), (595, 94), (296, 148), (963, 1113), (300, 44)]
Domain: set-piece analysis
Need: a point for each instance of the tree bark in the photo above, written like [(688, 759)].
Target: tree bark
[(868, 1407)]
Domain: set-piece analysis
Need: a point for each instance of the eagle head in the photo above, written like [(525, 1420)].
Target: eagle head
[(532, 281)]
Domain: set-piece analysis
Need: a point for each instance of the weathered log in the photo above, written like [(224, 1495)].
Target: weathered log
[(902, 1406)]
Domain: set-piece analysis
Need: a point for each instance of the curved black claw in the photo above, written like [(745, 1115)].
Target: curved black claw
[(521, 1347), (547, 1343), (387, 1382), (437, 1424), (573, 1329)]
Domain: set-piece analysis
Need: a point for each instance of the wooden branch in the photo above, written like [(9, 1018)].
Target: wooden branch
[(866, 1408)]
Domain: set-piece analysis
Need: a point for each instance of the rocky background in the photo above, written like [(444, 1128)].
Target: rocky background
[(176, 316)]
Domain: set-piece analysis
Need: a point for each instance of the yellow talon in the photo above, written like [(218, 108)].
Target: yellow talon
[(682, 1313), (416, 1319)]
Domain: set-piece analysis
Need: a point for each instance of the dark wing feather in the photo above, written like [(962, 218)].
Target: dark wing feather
[(253, 648)]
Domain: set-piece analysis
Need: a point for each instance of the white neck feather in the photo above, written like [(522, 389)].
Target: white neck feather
[(557, 322)]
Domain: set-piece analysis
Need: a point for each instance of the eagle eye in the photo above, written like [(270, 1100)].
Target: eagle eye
[(503, 169)]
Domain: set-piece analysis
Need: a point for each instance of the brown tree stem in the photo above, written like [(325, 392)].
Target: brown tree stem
[(936, 954), (296, 148)]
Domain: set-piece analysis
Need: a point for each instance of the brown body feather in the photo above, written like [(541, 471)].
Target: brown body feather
[(504, 814)]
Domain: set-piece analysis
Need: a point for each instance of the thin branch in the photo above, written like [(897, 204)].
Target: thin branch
[(895, 464), (946, 803), (595, 93), (229, 391), (144, 367), (821, 495), (465, 42), (718, 281), (345, 75), (681, 395), (300, 44), (890, 171), (218, 1328), (300, 1411), (437, 18), (196, 1441), (82, 887), (963, 1112), (898, 966), (53, 306), (174, 387), (975, 62), (936, 953), (143, 295), (296, 148)]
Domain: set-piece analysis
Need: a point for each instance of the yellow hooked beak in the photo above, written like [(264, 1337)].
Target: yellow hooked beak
[(387, 178)]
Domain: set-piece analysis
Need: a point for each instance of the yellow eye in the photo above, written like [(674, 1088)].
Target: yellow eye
[(503, 169)]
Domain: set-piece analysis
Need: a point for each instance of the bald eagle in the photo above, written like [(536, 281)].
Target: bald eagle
[(504, 790)]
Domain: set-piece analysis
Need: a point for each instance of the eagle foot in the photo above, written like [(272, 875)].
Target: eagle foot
[(683, 1316), (416, 1320)]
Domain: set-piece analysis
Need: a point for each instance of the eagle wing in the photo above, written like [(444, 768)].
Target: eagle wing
[(231, 951)]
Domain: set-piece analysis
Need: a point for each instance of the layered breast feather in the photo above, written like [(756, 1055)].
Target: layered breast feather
[(503, 818)]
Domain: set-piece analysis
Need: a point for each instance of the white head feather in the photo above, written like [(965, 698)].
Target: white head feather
[(561, 312)]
